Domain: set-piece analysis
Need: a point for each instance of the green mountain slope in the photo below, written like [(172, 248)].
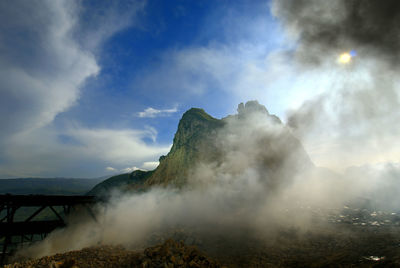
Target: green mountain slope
[(193, 142), (198, 139), (120, 182)]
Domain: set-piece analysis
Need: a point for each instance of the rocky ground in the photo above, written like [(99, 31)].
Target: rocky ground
[(168, 254)]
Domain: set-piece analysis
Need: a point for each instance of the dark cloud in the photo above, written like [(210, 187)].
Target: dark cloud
[(323, 27), (356, 107)]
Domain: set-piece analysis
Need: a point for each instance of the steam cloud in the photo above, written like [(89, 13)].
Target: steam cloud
[(264, 180), (370, 27), (355, 117), (238, 192)]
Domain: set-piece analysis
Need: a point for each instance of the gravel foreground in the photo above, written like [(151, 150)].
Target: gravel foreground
[(168, 254)]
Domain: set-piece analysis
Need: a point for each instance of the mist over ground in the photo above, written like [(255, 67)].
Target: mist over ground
[(263, 184)]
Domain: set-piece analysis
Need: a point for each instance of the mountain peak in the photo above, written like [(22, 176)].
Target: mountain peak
[(197, 114), (193, 123), (251, 107)]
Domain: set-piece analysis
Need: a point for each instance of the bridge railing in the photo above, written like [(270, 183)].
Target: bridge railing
[(12, 228)]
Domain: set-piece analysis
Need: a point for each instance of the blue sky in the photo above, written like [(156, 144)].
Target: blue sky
[(128, 56), (93, 88)]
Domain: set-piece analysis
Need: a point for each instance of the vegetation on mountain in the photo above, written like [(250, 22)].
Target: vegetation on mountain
[(193, 142), (121, 182)]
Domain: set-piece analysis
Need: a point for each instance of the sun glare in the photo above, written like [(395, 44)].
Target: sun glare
[(345, 58)]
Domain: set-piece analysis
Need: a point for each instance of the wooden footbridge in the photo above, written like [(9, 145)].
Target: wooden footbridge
[(15, 231)]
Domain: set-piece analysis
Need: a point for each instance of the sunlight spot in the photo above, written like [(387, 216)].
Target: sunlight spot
[(345, 58)]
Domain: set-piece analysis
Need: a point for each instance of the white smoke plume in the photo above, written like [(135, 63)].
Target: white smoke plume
[(351, 118)]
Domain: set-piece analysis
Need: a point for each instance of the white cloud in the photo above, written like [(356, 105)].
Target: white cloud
[(43, 69), (150, 165), (120, 147), (45, 65), (129, 169), (151, 112), (41, 152)]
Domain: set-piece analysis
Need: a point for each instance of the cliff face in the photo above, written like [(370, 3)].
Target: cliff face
[(193, 142), (201, 138)]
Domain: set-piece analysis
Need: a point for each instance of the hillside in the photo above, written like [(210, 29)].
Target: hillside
[(200, 138), (121, 181), (192, 142)]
